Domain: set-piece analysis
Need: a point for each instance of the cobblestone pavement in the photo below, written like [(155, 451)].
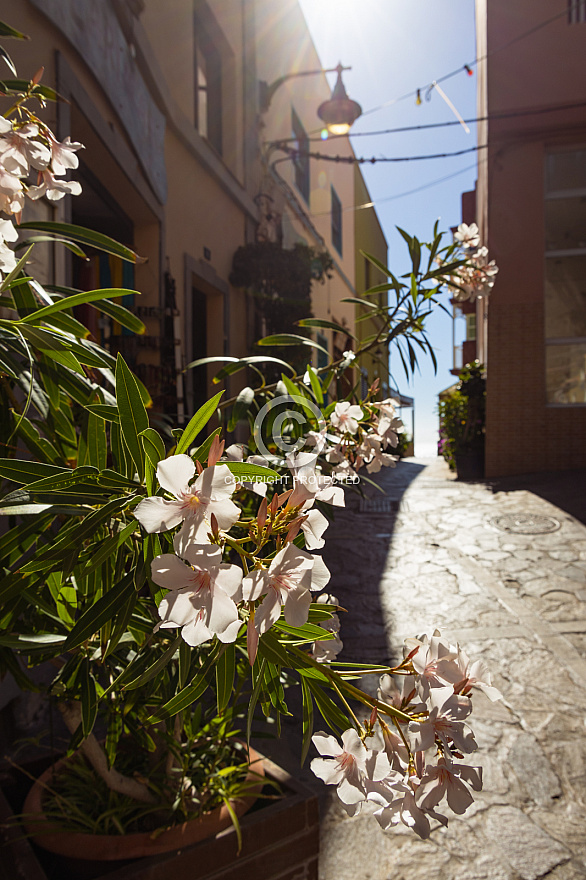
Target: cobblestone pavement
[(426, 555)]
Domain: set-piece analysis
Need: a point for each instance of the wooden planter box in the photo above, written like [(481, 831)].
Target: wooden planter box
[(280, 841)]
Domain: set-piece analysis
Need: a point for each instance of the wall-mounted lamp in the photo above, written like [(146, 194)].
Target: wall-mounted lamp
[(339, 113)]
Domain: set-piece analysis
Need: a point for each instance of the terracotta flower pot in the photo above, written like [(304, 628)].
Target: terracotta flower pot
[(105, 847)]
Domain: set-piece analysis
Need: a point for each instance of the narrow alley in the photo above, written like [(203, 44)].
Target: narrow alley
[(504, 574)]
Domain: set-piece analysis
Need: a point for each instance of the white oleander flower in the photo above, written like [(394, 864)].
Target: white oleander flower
[(194, 501), (202, 594)]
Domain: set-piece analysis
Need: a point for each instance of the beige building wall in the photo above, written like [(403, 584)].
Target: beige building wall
[(129, 72), (536, 401), (181, 182), (370, 239), (284, 46)]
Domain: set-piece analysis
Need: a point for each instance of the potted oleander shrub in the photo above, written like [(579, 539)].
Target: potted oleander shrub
[(172, 586)]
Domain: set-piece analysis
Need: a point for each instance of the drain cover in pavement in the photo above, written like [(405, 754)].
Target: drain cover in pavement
[(525, 523), (378, 505)]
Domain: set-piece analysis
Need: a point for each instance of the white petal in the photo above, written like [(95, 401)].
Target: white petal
[(230, 634), (201, 556), (327, 771), (353, 744), (313, 529), (196, 633), (216, 483), (223, 611), (174, 474), (229, 578), (350, 794), (320, 574), (332, 495), (255, 584), (296, 607), (458, 796), (294, 564), (158, 515), (195, 530), (235, 452), (326, 744), (177, 608), (168, 571), (268, 612), (225, 511)]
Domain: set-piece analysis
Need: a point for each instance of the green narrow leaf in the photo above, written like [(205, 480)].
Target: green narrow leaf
[(291, 339), (77, 299), (133, 415), (113, 736), (121, 624), (331, 714), (7, 31), (97, 445), (154, 450), (153, 446), (274, 688), (307, 719), (37, 239), (82, 474), (315, 384), (241, 406), (101, 552), (243, 469), (225, 669), (114, 310), (84, 236), (376, 262), (25, 472), (185, 658), (105, 411), (9, 62), (202, 452), (254, 697), (189, 694), (242, 363), (23, 85), (197, 423), (414, 289), (102, 611), (156, 667), (7, 283), (89, 702), (327, 325), (271, 648)]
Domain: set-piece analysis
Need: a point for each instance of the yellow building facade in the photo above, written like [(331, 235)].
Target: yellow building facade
[(182, 164)]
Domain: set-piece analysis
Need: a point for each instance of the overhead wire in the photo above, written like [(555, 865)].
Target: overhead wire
[(430, 125), (292, 153), (401, 195), (466, 67)]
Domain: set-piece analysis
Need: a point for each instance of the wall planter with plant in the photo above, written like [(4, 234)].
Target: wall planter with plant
[(279, 835), (462, 424)]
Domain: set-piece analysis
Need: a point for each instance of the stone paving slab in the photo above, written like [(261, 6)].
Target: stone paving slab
[(517, 600)]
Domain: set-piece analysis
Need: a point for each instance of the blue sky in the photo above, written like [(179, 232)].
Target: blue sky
[(395, 47)]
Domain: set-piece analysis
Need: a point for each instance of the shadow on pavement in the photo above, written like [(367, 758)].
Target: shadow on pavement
[(357, 546), (565, 489), (356, 550)]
